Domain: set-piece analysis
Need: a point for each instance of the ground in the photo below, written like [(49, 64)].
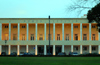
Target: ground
[(49, 60)]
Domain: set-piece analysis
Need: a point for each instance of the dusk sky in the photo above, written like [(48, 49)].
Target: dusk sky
[(36, 9)]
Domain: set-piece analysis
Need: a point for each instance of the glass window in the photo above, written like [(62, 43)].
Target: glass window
[(58, 36), (84, 26), (93, 26), (76, 48), (6, 36), (84, 36), (14, 36), (6, 26), (67, 37), (48, 36), (32, 36), (23, 36), (40, 37), (93, 48), (23, 26), (75, 26), (84, 48), (93, 36), (14, 26), (76, 36)]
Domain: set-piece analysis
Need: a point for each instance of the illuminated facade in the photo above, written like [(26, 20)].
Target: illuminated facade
[(32, 34)]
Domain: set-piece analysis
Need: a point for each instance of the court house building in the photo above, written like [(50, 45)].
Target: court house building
[(32, 35)]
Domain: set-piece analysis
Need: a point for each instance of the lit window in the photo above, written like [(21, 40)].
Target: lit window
[(93, 26), (23, 36), (23, 26), (93, 48), (48, 36), (6, 36), (76, 48), (32, 36), (93, 36), (67, 37), (14, 36), (75, 26), (84, 48), (58, 36), (76, 36), (41, 37), (84, 36), (84, 26), (6, 26), (14, 26)]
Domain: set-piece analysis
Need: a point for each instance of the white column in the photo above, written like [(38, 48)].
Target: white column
[(54, 31), (90, 31), (9, 49), (63, 31), (89, 48), (36, 50), (62, 48), (99, 36), (54, 50), (18, 49), (0, 49), (9, 31), (98, 49), (80, 49), (44, 49), (71, 48), (72, 31), (45, 31), (27, 31), (80, 31), (27, 48), (0, 31), (36, 31), (18, 31)]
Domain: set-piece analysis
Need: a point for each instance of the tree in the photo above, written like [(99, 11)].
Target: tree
[(81, 5), (93, 15)]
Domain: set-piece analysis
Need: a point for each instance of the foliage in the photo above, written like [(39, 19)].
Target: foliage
[(94, 15), (80, 6)]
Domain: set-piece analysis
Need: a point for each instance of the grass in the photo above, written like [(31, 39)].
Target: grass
[(49, 60)]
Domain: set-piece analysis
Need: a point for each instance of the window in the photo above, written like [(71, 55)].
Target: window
[(84, 26), (41, 37), (84, 36), (75, 26), (6, 26), (67, 37), (14, 26), (23, 36), (93, 36), (48, 36), (93, 26), (84, 48), (76, 36), (23, 26), (76, 48), (14, 36), (58, 36), (32, 36), (6, 36), (93, 48)]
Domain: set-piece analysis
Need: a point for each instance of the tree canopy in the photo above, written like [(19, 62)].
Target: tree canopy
[(93, 15)]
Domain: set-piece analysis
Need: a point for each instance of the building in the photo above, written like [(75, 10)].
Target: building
[(32, 34)]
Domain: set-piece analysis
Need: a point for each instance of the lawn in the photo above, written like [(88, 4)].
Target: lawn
[(49, 60)]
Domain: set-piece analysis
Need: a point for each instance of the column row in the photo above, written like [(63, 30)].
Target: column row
[(46, 49), (27, 31)]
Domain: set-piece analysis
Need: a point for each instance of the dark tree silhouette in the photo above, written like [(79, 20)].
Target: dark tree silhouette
[(93, 15), (80, 5)]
